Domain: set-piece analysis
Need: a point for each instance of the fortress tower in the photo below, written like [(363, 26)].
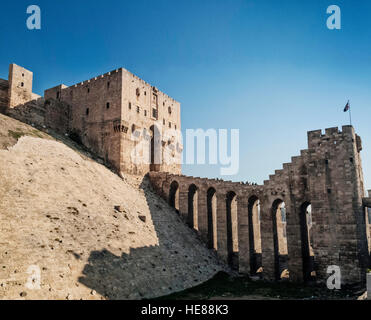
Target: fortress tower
[(123, 119), (131, 125), (17, 90)]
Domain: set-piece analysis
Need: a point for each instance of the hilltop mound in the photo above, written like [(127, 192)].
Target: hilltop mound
[(90, 233)]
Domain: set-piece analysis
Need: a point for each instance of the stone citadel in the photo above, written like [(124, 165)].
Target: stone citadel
[(308, 216), (112, 115)]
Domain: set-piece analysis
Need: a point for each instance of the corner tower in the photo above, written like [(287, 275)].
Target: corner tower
[(20, 85), (336, 191)]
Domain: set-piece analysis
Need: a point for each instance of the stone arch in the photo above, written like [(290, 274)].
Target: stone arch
[(280, 239), (255, 235), (212, 237), (193, 206), (232, 230), (174, 195), (308, 257)]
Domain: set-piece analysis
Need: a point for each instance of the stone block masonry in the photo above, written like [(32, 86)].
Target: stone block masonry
[(4, 88), (112, 113), (367, 204), (116, 115), (20, 86), (322, 221)]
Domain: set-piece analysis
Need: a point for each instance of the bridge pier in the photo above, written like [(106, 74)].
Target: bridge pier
[(294, 243), (183, 203), (267, 241), (243, 234), (312, 213), (202, 214), (222, 227)]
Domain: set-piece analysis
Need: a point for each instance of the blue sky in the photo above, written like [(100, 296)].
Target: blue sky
[(269, 68)]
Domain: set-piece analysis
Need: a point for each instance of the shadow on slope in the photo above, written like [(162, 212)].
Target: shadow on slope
[(179, 261)]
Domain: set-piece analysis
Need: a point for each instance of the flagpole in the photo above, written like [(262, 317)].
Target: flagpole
[(350, 113)]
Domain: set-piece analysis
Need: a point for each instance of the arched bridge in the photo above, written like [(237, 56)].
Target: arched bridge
[(306, 217)]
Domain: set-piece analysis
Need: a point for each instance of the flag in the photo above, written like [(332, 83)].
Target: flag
[(347, 107)]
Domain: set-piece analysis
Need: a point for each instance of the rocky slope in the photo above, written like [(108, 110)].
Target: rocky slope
[(72, 229)]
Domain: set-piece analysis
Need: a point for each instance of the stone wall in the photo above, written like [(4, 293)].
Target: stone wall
[(4, 94), (95, 105), (124, 120), (147, 112), (118, 116), (325, 179), (368, 219)]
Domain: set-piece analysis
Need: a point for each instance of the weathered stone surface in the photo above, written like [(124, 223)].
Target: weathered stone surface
[(4, 98), (20, 86), (328, 176), (117, 116)]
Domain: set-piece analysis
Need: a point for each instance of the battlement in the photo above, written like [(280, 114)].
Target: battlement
[(100, 77), (317, 137), (314, 134), (108, 75)]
